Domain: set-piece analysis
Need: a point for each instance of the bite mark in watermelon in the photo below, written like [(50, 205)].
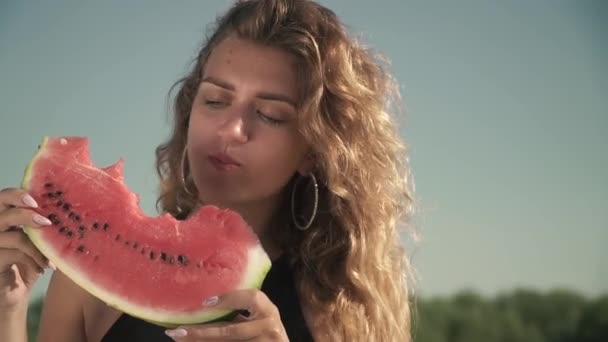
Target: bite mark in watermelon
[(156, 268)]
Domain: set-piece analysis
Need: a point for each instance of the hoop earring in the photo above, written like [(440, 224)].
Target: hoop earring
[(315, 205), (182, 172)]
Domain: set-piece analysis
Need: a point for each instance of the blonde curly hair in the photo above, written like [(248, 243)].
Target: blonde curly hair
[(350, 265)]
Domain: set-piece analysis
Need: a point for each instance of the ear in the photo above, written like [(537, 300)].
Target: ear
[(307, 164)]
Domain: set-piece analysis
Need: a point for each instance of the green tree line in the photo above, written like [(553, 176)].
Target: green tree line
[(520, 315)]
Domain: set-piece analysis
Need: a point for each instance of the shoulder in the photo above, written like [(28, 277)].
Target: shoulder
[(62, 314), (69, 312)]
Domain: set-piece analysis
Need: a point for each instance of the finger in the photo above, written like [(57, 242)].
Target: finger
[(18, 279), (14, 197), (226, 331), (20, 216), (18, 240), (10, 277), (252, 300), (28, 269), (27, 272)]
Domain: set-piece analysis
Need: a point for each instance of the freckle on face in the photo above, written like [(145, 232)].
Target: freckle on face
[(272, 154)]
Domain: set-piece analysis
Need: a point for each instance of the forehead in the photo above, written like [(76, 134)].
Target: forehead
[(248, 64)]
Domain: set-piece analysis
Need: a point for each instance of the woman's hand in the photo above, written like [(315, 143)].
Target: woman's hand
[(21, 264), (261, 322)]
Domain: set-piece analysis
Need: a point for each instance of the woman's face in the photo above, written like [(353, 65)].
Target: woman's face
[(243, 140)]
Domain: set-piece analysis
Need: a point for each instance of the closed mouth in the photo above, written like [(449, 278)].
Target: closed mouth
[(224, 161)]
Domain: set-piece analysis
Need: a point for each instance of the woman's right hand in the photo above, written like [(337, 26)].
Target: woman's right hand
[(21, 264)]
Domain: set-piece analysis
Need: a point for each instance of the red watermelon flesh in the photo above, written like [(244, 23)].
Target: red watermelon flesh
[(156, 268)]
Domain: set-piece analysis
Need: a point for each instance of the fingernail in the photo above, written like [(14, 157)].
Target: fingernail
[(41, 220), (29, 201), (52, 266), (176, 332), (211, 301)]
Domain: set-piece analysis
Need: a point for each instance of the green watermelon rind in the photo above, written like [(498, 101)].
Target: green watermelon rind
[(27, 174), (256, 273)]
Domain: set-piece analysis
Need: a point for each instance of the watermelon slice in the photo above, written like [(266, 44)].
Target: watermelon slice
[(156, 268)]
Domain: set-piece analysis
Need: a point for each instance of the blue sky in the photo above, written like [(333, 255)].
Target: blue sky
[(507, 114)]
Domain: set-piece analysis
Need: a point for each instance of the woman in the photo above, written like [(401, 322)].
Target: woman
[(285, 119)]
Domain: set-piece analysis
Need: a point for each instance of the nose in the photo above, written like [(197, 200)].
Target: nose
[(233, 129)]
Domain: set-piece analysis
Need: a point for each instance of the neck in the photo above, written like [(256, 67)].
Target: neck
[(259, 216)]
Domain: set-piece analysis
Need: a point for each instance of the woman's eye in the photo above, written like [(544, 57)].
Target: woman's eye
[(270, 119), (214, 104)]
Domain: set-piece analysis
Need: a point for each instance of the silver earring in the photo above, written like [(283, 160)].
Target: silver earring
[(182, 172), (315, 205)]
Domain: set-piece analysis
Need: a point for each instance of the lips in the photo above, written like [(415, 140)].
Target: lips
[(223, 161)]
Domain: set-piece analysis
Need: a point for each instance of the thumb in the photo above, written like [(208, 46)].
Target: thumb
[(11, 278), (17, 280), (12, 287)]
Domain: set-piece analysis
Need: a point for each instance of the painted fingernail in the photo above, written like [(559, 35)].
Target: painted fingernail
[(176, 332), (52, 266), (29, 201), (211, 301), (41, 220)]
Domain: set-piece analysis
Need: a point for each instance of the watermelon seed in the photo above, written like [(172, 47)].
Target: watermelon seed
[(182, 260), (59, 204), (82, 228), (69, 233), (66, 206), (51, 195), (106, 226), (71, 215), (95, 225), (80, 248), (63, 230), (58, 193), (198, 265), (127, 242), (48, 185), (163, 256), (117, 237), (152, 256), (143, 250), (135, 245), (77, 217)]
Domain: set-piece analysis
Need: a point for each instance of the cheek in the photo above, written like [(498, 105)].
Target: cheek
[(199, 129), (277, 158)]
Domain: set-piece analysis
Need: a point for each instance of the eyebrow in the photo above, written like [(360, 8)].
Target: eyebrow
[(261, 95)]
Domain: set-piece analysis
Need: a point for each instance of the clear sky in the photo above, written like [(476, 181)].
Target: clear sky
[(507, 118)]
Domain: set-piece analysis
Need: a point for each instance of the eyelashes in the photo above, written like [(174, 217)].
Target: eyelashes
[(214, 104), (267, 118)]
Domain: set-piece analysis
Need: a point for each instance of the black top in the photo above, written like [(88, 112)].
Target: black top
[(279, 286)]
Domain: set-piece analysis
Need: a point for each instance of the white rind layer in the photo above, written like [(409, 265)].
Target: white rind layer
[(258, 266)]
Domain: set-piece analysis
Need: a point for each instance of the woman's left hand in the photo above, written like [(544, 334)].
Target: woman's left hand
[(262, 324)]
